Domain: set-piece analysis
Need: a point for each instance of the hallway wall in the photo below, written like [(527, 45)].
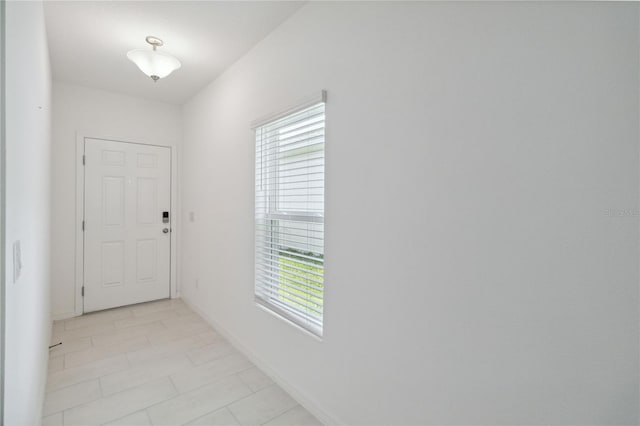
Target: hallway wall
[(28, 200), (481, 210), (97, 113)]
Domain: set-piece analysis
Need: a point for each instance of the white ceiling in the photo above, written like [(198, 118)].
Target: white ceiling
[(89, 40)]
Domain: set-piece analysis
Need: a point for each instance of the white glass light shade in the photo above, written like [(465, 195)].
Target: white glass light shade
[(153, 63)]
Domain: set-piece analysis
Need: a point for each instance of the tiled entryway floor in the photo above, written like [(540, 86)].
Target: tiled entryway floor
[(157, 363)]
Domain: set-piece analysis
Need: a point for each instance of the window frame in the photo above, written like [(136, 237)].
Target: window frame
[(268, 177)]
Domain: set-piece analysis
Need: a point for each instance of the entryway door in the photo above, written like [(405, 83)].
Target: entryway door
[(127, 229)]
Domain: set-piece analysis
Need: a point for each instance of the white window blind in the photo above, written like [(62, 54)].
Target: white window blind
[(289, 216)]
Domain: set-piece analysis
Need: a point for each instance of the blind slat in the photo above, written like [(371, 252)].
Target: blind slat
[(301, 256), (312, 283), (312, 120), (302, 217), (309, 310), (289, 286), (287, 242), (309, 135), (279, 237)]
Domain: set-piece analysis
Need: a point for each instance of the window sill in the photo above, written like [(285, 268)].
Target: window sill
[(298, 327)]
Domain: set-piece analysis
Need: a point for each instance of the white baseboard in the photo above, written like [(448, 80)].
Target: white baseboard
[(304, 400)]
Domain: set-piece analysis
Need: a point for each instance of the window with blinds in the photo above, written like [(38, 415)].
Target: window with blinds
[(289, 216)]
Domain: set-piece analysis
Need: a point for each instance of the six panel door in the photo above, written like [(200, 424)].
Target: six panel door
[(127, 243)]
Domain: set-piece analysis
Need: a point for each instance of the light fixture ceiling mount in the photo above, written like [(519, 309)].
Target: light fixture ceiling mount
[(154, 63), (154, 41)]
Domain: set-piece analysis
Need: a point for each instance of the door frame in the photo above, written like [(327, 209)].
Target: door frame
[(79, 233)]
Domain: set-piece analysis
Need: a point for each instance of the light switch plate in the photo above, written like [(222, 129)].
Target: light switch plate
[(17, 261)]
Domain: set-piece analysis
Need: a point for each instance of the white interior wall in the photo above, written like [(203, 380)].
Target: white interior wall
[(478, 270), (97, 113), (28, 144), (2, 201)]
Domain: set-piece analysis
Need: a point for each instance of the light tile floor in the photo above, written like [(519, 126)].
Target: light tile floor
[(157, 363)]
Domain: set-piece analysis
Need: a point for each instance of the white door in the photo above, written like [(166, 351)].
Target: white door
[(127, 240)]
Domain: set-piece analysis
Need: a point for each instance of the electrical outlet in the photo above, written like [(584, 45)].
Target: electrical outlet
[(192, 216), (17, 261)]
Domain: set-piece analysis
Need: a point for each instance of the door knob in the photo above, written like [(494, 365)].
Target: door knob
[(165, 230)]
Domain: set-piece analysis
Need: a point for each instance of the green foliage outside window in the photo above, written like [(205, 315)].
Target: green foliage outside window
[(307, 296)]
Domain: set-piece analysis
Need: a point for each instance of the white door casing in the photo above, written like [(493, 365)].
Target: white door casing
[(127, 256)]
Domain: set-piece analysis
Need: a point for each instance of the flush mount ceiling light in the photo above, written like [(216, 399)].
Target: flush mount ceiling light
[(153, 63)]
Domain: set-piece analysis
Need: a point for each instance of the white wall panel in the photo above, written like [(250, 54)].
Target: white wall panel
[(473, 150), (28, 209), (96, 113)]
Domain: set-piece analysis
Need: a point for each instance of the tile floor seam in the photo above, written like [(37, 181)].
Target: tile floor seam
[(72, 406), (247, 384), (245, 397), (193, 390), (146, 411), (68, 386), (242, 371), (72, 352), (120, 418), (186, 355), (126, 390), (218, 379), (100, 384), (283, 413), (173, 384), (232, 415), (278, 414), (160, 402), (112, 355), (83, 381)]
